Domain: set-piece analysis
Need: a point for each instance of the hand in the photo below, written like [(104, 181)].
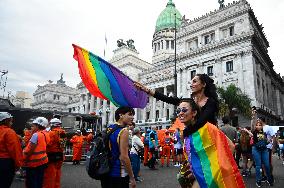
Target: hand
[(132, 182), (142, 87)]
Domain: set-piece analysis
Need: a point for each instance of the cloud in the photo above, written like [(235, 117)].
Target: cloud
[(36, 36)]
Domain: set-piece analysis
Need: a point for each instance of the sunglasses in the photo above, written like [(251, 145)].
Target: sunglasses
[(179, 110)]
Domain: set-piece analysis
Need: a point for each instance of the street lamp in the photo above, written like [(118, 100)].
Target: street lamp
[(101, 122), (107, 113), (175, 60)]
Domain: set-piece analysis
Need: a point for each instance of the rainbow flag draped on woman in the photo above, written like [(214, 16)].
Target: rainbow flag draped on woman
[(105, 81), (211, 158)]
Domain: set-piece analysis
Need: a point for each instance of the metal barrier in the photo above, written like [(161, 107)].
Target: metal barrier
[(69, 151)]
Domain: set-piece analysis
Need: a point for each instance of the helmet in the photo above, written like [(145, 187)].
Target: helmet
[(55, 122), (5, 115), (42, 121), (78, 131)]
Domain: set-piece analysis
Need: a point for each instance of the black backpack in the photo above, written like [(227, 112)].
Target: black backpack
[(98, 158)]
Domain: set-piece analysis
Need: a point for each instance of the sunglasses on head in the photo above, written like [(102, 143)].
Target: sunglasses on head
[(179, 110)]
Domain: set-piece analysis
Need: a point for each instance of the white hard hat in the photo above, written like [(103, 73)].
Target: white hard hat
[(42, 121), (78, 131), (5, 115), (55, 122)]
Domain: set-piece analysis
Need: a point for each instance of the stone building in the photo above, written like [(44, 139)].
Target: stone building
[(22, 99), (55, 96), (228, 44)]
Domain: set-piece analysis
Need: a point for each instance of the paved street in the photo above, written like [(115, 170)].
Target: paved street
[(76, 177)]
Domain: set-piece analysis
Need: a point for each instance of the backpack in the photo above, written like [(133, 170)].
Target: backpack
[(98, 163)]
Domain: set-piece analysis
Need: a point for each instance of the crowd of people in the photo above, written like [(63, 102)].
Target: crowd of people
[(40, 153)]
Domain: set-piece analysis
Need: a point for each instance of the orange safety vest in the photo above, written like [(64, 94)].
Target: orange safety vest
[(56, 143), (39, 156)]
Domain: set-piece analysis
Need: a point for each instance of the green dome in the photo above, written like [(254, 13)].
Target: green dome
[(167, 17)]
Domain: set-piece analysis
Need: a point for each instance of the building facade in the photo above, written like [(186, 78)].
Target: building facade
[(22, 99), (55, 97), (228, 44)]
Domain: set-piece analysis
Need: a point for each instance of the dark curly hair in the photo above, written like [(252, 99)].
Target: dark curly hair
[(210, 88)]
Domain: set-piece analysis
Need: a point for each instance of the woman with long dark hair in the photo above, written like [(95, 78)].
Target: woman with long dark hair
[(204, 94), (208, 152)]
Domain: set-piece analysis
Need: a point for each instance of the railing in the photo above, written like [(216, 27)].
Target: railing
[(69, 151)]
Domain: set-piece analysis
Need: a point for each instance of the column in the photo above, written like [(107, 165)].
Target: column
[(165, 104), (98, 106), (81, 104), (87, 103), (184, 83), (178, 83), (104, 112), (151, 107), (154, 108), (161, 109), (144, 114), (111, 114), (136, 114), (92, 103)]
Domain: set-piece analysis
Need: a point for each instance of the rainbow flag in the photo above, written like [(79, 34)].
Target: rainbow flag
[(211, 158), (107, 82)]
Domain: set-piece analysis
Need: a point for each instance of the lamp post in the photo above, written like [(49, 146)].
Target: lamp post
[(175, 60), (107, 114), (101, 122)]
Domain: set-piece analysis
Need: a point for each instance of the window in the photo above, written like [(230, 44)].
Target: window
[(229, 66), (210, 71), (209, 38), (70, 98), (54, 97), (167, 44), (147, 115), (155, 47), (231, 30), (159, 47), (192, 73), (206, 39), (172, 44), (157, 114)]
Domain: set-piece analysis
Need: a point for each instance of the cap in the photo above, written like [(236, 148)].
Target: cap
[(42, 121), (55, 122), (5, 115), (136, 130)]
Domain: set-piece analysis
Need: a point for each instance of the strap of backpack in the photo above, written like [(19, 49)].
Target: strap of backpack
[(113, 130)]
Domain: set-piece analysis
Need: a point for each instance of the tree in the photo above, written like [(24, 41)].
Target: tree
[(233, 98)]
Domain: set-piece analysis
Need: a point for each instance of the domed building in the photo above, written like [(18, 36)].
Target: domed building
[(228, 44)]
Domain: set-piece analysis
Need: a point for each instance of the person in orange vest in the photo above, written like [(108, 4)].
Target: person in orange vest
[(55, 152), (166, 148), (35, 156), (27, 136), (11, 156), (89, 139), (77, 141), (146, 147)]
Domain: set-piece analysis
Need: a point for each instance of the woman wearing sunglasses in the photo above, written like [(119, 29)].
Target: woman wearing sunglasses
[(204, 94), (208, 152)]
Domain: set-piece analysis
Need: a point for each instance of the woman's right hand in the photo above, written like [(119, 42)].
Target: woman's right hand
[(143, 88)]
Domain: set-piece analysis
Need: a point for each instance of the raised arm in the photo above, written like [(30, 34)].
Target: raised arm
[(157, 95)]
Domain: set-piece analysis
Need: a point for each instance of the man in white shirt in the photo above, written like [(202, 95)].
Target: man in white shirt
[(270, 133)]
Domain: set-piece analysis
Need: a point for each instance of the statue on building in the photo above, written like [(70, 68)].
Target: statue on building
[(184, 20), (120, 43), (130, 44), (221, 2), (61, 81)]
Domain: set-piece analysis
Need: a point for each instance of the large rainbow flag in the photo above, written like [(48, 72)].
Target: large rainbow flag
[(105, 81), (211, 158)]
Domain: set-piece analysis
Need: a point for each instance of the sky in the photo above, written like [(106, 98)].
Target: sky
[(36, 36)]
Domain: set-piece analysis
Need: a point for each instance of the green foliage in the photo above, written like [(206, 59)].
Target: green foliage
[(233, 97)]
